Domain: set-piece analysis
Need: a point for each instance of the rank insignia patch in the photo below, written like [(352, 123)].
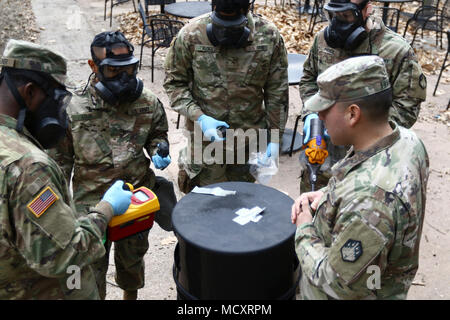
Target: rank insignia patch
[(42, 202), (351, 250)]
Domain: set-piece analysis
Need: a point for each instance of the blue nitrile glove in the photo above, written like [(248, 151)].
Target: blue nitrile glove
[(209, 127), (307, 127), (160, 162), (272, 152), (119, 198)]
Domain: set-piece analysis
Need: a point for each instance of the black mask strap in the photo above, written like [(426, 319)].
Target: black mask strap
[(19, 100), (88, 81)]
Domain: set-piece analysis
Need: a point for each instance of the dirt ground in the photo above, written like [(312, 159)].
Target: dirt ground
[(70, 25)]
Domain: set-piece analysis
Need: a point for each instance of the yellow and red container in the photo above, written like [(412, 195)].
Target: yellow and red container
[(139, 216)]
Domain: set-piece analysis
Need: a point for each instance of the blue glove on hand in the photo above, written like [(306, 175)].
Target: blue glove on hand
[(209, 127), (160, 162), (272, 152), (118, 198), (307, 126)]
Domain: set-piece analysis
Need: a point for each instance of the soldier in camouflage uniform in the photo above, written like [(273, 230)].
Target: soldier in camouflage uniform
[(107, 140), (236, 79), (363, 242), (42, 235), (405, 74)]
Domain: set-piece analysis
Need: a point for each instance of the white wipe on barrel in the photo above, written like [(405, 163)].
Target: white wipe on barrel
[(246, 215)]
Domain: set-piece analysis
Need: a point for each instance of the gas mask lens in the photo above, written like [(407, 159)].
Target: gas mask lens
[(111, 72), (347, 16)]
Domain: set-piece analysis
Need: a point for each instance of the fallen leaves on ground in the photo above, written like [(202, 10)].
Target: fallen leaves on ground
[(17, 21), (292, 26), (438, 116)]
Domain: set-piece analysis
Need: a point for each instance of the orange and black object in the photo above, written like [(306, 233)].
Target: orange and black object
[(315, 150)]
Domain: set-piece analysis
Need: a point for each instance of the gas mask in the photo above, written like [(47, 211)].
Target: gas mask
[(122, 87), (226, 32), (49, 122), (117, 73), (346, 29)]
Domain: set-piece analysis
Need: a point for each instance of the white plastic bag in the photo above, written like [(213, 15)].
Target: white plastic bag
[(261, 167)]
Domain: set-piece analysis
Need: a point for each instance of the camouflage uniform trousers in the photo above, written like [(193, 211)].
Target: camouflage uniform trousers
[(129, 261), (129, 252)]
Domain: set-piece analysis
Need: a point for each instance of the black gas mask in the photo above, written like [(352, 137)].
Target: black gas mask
[(117, 73), (346, 29), (229, 30), (49, 122)]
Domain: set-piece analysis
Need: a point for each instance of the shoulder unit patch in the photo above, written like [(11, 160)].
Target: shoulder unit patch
[(42, 202), (351, 250)]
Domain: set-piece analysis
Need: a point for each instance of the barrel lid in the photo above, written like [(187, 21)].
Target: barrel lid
[(206, 221)]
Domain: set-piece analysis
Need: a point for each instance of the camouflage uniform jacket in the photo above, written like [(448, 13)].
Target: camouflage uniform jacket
[(229, 84), (106, 143), (37, 248), (370, 217), (405, 74)]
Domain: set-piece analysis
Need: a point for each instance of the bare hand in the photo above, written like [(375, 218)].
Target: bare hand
[(301, 209)]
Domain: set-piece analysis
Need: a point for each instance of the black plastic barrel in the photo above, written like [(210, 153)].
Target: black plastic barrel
[(217, 258)]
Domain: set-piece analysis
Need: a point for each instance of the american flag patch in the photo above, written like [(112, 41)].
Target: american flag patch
[(42, 202)]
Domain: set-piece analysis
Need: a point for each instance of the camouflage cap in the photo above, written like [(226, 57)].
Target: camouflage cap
[(349, 80), (26, 55)]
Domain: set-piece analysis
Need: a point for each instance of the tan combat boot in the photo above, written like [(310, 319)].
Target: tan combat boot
[(129, 294)]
